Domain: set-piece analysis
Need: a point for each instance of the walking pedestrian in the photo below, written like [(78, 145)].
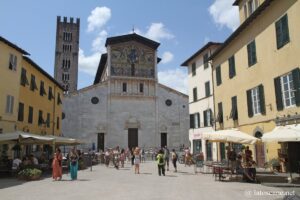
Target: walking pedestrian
[(106, 157), (137, 160), (161, 163), (167, 156), (73, 163), (174, 159), (122, 158), (57, 165), (132, 156)]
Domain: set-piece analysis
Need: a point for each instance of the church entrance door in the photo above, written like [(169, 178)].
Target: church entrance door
[(132, 137), (163, 139), (100, 144)]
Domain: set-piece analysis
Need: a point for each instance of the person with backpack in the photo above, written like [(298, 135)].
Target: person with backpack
[(174, 157), (160, 162)]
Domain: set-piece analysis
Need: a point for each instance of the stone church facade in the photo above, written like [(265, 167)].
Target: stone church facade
[(126, 106)]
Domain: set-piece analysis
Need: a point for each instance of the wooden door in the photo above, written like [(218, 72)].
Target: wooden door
[(163, 139), (100, 141), (133, 138)]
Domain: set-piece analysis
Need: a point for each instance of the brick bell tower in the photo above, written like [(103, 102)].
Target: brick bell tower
[(66, 53)]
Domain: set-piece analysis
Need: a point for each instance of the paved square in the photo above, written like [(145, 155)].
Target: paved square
[(123, 184)]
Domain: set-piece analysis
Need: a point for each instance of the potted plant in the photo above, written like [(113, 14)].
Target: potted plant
[(30, 174)]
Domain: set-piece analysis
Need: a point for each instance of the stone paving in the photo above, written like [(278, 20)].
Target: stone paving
[(109, 183)]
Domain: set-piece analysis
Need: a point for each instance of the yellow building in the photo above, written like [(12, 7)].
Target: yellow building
[(10, 70), (256, 72), (39, 106)]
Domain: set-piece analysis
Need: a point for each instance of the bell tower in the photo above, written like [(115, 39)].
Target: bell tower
[(66, 53)]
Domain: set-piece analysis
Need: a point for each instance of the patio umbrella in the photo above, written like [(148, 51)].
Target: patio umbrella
[(288, 133), (230, 135)]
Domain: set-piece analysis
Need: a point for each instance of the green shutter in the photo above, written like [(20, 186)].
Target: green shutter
[(278, 93), (192, 124), (234, 111), (205, 118), (220, 112), (218, 75), (285, 29), (262, 99), (278, 34), (207, 89), (296, 82), (231, 63), (253, 53), (249, 104), (198, 119)]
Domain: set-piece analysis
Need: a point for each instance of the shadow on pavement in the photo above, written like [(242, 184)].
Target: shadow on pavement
[(10, 182), (146, 173), (173, 176)]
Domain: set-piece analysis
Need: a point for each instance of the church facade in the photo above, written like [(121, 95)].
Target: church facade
[(126, 106)]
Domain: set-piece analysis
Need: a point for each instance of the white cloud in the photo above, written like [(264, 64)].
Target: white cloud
[(167, 57), (89, 64), (176, 79), (98, 18), (156, 31), (98, 42), (224, 14)]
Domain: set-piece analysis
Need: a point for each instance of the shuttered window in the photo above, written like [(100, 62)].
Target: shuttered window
[(57, 123), (50, 94), (30, 115), (220, 113), (205, 61), (24, 80), (33, 85), (193, 69), (21, 112), (12, 65), (9, 104), (256, 101), (218, 75), (195, 98), (42, 89), (207, 89), (40, 119), (282, 31), (192, 122), (58, 99), (207, 117), (231, 63), (234, 110), (196, 120), (251, 49), (287, 88)]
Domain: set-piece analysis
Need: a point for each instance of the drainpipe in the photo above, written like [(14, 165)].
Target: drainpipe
[(213, 90), (53, 122)]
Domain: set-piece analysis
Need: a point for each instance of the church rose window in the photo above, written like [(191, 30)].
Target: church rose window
[(95, 100), (168, 102)]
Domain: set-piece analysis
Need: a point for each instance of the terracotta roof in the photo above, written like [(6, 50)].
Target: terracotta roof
[(130, 37), (243, 26), (42, 71), (185, 63), (13, 46)]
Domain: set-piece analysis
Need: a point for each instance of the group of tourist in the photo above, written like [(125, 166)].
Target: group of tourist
[(242, 163), (73, 157), (137, 156), (27, 160)]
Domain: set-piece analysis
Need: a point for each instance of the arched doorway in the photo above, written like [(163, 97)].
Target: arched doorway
[(260, 151)]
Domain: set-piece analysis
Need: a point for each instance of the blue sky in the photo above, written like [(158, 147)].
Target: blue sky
[(182, 27)]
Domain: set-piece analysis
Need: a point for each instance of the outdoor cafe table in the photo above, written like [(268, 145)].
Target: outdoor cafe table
[(219, 170)]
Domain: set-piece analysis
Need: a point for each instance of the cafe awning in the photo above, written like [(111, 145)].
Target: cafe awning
[(29, 138), (230, 135), (24, 138), (288, 133)]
